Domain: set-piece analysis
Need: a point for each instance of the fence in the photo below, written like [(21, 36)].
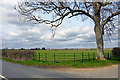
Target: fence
[(52, 57), (57, 57)]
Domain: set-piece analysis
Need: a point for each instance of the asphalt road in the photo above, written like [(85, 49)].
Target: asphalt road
[(11, 70)]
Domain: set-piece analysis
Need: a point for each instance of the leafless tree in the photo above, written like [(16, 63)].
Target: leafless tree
[(101, 13)]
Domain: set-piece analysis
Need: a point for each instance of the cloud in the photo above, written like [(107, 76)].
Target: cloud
[(17, 34)]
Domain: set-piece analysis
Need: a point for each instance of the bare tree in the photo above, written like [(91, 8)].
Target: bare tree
[(102, 13)]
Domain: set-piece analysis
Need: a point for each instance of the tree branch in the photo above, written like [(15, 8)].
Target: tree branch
[(81, 12), (108, 19), (51, 22), (106, 3)]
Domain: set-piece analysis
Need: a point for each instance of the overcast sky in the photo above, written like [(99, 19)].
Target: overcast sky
[(73, 33)]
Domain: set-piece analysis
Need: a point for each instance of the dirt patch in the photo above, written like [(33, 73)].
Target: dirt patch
[(64, 69)]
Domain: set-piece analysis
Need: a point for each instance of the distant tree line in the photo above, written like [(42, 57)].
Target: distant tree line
[(38, 48), (24, 49)]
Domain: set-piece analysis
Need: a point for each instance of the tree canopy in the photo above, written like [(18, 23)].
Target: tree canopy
[(29, 8)]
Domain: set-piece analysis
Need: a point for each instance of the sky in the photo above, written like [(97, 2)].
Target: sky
[(73, 33)]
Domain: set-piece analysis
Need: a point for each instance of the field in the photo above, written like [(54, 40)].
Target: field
[(68, 55), (67, 58)]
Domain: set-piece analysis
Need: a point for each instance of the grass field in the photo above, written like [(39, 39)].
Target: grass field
[(67, 58), (77, 64), (68, 55)]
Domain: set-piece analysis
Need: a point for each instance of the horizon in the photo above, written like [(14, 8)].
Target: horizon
[(51, 48)]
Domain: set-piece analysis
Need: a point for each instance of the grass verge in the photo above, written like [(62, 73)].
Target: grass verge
[(77, 64)]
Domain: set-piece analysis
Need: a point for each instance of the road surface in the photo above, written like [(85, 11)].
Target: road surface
[(11, 70)]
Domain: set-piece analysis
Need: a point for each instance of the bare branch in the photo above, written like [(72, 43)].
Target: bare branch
[(109, 18), (106, 3), (104, 11)]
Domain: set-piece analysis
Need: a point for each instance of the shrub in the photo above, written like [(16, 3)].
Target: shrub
[(43, 48), (22, 55), (116, 52)]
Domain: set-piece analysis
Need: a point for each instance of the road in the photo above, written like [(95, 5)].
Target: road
[(11, 70)]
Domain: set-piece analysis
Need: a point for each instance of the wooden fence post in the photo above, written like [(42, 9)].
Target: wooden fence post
[(93, 56), (64, 56), (108, 55), (39, 57), (89, 56), (74, 57), (82, 57), (46, 57), (54, 57)]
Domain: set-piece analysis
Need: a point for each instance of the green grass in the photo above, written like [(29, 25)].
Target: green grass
[(77, 64), (67, 55), (65, 58)]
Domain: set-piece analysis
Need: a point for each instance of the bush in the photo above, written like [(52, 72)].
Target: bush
[(43, 48), (116, 52), (21, 55)]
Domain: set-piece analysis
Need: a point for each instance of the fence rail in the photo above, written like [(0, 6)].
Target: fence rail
[(53, 57), (57, 57)]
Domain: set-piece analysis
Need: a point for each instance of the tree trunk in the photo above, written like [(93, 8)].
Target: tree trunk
[(99, 41), (98, 31)]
